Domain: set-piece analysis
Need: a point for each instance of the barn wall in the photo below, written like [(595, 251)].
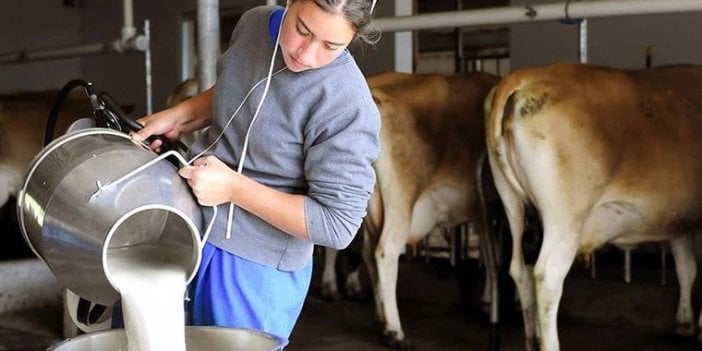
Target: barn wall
[(123, 75), (613, 41), (23, 27), (380, 57), (35, 24), (38, 24)]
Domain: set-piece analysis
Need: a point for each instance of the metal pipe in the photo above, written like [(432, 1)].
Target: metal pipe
[(583, 41), (664, 264), (147, 68), (627, 266), (534, 13), (208, 42), (404, 42), (458, 59), (488, 253), (57, 53), (128, 29), (454, 245), (187, 49), (129, 40)]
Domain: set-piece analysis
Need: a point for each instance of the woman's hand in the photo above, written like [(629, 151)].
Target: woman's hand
[(188, 116), (163, 123), (214, 183), (211, 180)]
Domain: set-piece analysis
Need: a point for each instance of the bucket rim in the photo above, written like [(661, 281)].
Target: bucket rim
[(282, 342), (37, 160), (197, 239)]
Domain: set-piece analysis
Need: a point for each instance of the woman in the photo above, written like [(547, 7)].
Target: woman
[(289, 158)]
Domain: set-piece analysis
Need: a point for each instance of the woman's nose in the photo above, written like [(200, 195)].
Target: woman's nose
[(306, 53)]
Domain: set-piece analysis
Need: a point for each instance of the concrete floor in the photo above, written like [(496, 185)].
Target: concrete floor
[(434, 318), (602, 315)]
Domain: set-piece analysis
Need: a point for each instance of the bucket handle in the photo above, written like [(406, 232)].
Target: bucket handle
[(102, 187)]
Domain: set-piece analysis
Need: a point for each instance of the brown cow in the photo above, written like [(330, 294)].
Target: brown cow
[(23, 118), (604, 155), (432, 136)]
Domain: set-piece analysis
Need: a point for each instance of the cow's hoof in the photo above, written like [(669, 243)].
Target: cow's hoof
[(485, 307), (532, 344), (330, 294), (379, 327), (357, 295), (687, 330), (392, 341)]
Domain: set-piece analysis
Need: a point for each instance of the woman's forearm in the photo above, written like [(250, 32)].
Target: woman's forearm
[(282, 210), (215, 183), (195, 113)]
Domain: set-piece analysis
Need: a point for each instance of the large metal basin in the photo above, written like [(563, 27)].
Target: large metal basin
[(71, 228), (197, 339)]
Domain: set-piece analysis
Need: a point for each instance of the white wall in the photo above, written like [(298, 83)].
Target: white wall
[(613, 41), (381, 57), (30, 24), (123, 75), (38, 24)]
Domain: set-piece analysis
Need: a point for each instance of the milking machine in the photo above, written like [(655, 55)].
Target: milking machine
[(95, 189)]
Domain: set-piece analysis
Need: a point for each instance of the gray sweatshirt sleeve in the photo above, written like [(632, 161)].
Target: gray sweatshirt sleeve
[(340, 175)]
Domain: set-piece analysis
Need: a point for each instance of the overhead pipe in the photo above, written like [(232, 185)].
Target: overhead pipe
[(128, 29), (128, 41), (535, 13), (208, 42), (55, 53)]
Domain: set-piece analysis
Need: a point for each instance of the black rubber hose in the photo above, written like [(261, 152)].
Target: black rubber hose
[(108, 114), (60, 99), (135, 126), (117, 111)]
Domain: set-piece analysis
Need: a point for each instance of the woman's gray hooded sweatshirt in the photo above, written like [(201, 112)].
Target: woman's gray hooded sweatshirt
[(316, 134)]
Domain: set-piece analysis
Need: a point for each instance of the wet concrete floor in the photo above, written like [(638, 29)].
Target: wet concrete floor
[(435, 318)]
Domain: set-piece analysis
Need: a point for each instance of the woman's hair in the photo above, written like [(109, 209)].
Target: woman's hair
[(357, 12)]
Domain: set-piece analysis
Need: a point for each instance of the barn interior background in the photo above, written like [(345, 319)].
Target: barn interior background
[(621, 41), (33, 26)]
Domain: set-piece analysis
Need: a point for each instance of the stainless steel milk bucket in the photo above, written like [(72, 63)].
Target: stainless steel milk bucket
[(196, 339), (71, 224)]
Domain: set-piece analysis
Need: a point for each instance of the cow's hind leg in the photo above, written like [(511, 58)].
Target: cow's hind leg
[(387, 256), (686, 269), (354, 289), (368, 253), (522, 276), (330, 290), (557, 254)]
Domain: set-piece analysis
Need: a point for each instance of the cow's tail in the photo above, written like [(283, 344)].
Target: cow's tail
[(500, 115)]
